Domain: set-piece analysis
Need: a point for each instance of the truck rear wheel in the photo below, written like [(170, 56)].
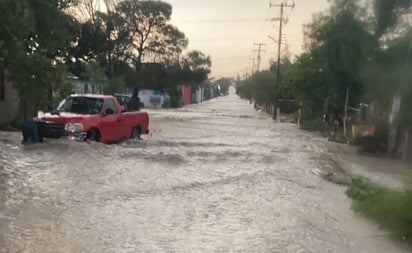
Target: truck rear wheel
[(136, 132), (93, 135)]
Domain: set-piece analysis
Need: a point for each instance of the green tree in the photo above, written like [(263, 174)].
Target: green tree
[(34, 40), (261, 86), (115, 85), (343, 44), (389, 13), (196, 67), (148, 32), (309, 83), (131, 34)]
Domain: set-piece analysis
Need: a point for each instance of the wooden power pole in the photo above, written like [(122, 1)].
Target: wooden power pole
[(281, 20), (259, 50)]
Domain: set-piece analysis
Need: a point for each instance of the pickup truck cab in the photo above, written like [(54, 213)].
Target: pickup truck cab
[(92, 117)]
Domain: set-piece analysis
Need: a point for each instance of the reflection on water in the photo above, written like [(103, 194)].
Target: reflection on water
[(215, 177)]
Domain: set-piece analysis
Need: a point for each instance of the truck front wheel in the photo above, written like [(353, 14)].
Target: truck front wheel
[(93, 135)]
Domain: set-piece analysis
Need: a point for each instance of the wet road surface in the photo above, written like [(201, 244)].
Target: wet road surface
[(215, 177)]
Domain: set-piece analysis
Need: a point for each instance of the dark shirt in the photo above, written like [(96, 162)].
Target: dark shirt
[(134, 104)]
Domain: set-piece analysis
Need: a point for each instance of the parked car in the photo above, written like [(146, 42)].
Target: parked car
[(92, 117)]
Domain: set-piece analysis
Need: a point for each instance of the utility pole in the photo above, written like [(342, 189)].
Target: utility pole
[(281, 19), (345, 130), (260, 45), (253, 64)]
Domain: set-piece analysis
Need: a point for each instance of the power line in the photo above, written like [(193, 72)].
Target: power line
[(232, 59), (264, 24), (237, 56), (239, 20), (220, 39)]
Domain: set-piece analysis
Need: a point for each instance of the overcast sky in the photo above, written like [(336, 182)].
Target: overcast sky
[(227, 29)]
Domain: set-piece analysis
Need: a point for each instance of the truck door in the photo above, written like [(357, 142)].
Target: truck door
[(111, 123)]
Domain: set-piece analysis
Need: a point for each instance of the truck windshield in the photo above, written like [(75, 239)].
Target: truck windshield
[(81, 105)]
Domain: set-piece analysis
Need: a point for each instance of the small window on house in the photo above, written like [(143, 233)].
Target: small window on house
[(2, 85)]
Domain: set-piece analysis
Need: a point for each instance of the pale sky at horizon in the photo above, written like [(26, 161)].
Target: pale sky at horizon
[(230, 44)]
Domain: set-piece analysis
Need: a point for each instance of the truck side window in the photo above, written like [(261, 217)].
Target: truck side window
[(110, 105)]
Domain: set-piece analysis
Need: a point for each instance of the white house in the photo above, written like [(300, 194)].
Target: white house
[(152, 99)]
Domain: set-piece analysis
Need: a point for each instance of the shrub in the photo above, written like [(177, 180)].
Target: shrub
[(316, 124), (374, 144)]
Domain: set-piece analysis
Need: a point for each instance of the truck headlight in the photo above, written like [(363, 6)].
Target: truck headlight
[(74, 127)]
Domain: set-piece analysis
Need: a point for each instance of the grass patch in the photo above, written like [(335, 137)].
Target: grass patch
[(391, 209)]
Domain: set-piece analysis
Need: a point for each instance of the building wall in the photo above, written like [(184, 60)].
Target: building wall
[(9, 106), (197, 96), (186, 95)]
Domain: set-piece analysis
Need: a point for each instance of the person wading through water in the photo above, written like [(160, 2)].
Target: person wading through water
[(30, 132), (134, 104)]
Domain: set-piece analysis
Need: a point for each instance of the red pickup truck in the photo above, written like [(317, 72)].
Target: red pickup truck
[(92, 117)]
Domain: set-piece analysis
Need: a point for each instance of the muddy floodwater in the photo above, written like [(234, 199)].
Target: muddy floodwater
[(214, 177)]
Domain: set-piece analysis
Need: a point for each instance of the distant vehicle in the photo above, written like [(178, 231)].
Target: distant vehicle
[(92, 117)]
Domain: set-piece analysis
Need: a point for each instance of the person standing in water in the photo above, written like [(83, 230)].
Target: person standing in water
[(134, 104)]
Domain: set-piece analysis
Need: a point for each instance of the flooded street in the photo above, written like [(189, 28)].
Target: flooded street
[(214, 177)]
